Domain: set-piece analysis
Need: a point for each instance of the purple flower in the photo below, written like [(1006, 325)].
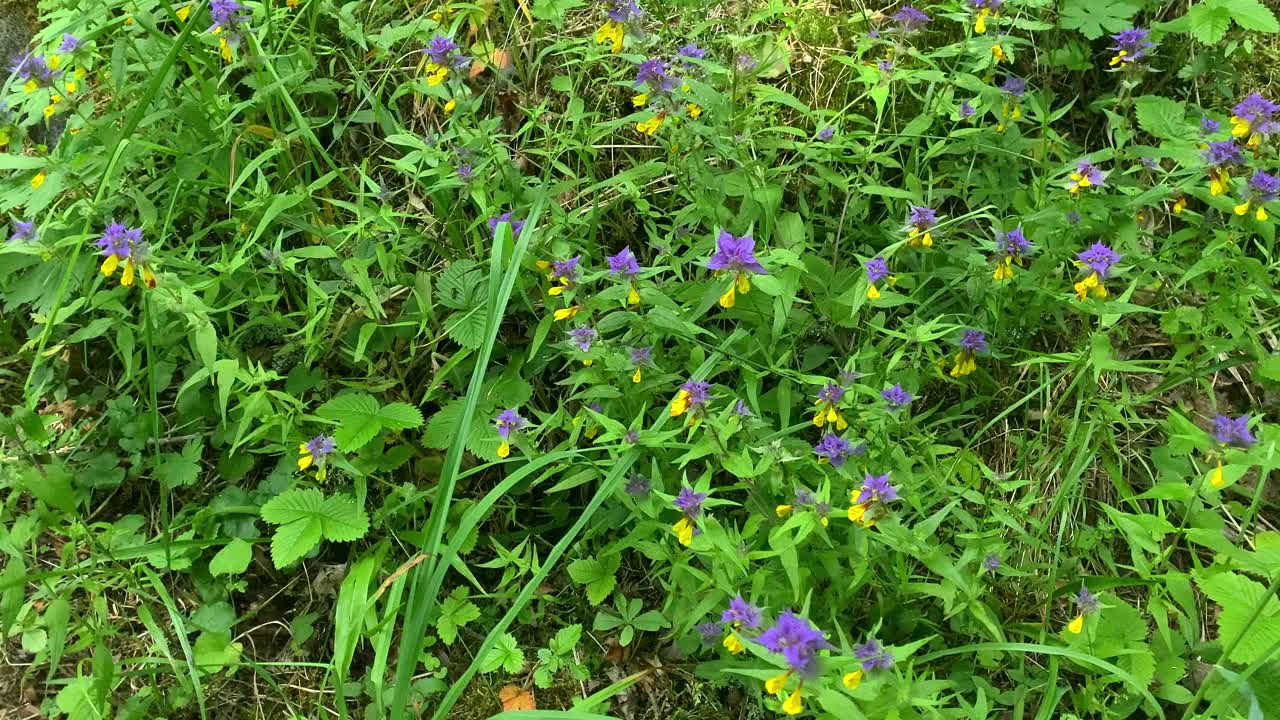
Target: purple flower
[(565, 271), (741, 410), (831, 393), (1209, 126), (966, 110), (654, 75), (745, 63), (691, 52), (1086, 175), (873, 655), (1233, 431), (516, 225), (896, 397), (1222, 153), (710, 632), (698, 393), (826, 133), (1086, 601), (70, 43), (910, 20), (1253, 115), (797, 641), (319, 446), (992, 5), (466, 173), (441, 49), (624, 11), (1149, 163), (632, 437), (508, 421), (689, 502), (583, 336), (741, 612), (1013, 243), (33, 68), (624, 263), (1131, 45), (1099, 258), (803, 497), (877, 270), (991, 562), (876, 488), (119, 241), (735, 254), (834, 449), (885, 65), (638, 485), (641, 356), (22, 231), (227, 16), (1014, 86), (975, 341), (922, 218), (849, 377), (1264, 186)]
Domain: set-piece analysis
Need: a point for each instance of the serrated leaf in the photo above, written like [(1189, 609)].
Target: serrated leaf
[(443, 426), (1095, 18), (76, 700), (232, 559), (596, 575), (299, 504), (566, 638), (467, 327), (177, 470), (1252, 15), (400, 416), (341, 520), (357, 415), (293, 540), (504, 654), (455, 612), (1208, 23), (460, 286), (1163, 118), (1239, 596)]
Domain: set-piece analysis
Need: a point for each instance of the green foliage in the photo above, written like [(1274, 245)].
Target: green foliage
[(306, 516)]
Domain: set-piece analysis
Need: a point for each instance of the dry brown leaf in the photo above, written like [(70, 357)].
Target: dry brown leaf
[(502, 58), (477, 67), (514, 698)]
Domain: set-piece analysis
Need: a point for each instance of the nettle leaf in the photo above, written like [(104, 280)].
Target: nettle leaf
[(1251, 15), (443, 425), (461, 286), (467, 327), (1239, 596), (1164, 118), (1208, 22), (504, 654), (597, 575), (294, 540), (455, 612), (361, 417), (305, 516), (1095, 18)]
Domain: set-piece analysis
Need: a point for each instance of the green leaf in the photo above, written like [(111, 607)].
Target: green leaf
[(565, 639), (1251, 15), (504, 654), (400, 416), (1208, 23), (214, 651), (53, 487), (360, 418), (232, 559), (341, 520), (597, 575), (1095, 18), (443, 425), (180, 469), (305, 516), (77, 701), (467, 327), (302, 504), (461, 285), (1239, 596), (455, 612), (294, 540), (1163, 118)]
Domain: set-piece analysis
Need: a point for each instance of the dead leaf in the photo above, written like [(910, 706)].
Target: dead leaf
[(477, 67), (502, 58), (514, 698)]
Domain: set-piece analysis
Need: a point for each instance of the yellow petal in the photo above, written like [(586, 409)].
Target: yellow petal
[(184, 13), (853, 680), (819, 419), (1261, 214), (680, 404), (1242, 208), (30, 86), (841, 425), (109, 265), (856, 512), (727, 299), (635, 377), (684, 531), (793, 705), (49, 110), (695, 110), (733, 643), (633, 297), (504, 449), (305, 461), (640, 100), (1075, 626), (38, 180), (783, 510), (928, 240), (126, 278), (71, 86), (774, 685), (980, 27), (566, 313), (744, 283), (449, 106), (1239, 126), (1218, 478), (556, 290), (872, 292)]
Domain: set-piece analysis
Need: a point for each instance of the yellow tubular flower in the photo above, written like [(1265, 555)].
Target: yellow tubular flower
[(1261, 213), (224, 49), (1218, 478), (1004, 269), (774, 685), (611, 32), (184, 13), (109, 265), (980, 26), (793, 705), (783, 510), (856, 513), (695, 110), (504, 449), (449, 106), (744, 283), (126, 278), (1242, 208), (853, 680), (733, 643), (635, 378), (30, 86), (49, 110), (872, 292), (680, 404), (640, 100), (1119, 58), (148, 277), (1076, 625), (54, 61), (436, 74), (650, 126), (305, 461), (566, 313), (633, 297), (71, 86), (1219, 182), (684, 531), (997, 53), (727, 299), (1179, 206)]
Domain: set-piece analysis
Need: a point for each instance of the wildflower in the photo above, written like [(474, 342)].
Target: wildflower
[(967, 110), (1221, 156), (1012, 247), (640, 358), (625, 265), (1252, 118), (1209, 126), (991, 562), (1233, 431), (1263, 188), (70, 43), (1085, 175), (1179, 205), (121, 244), (998, 54), (877, 270), (563, 273), (690, 52), (690, 503), (798, 642), (741, 409), (1086, 604), (229, 18), (35, 71), (507, 422), (896, 397), (516, 225), (909, 19), (920, 222), (826, 133), (740, 614), (745, 63), (314, 452), (614, 29), (735, 255), (873, 655), (466, 173), (1097, 258), (1149, 163), (22, 231), (692, 398), (638, 485), (632, 437), (823, 511), (833, 449), (583, 336), (1131, 46), (885, 65), (972, 342), (1013, 88), (984, 9), (650, 126), (829, 398), (654, 75), (442, 56), (848, 377)]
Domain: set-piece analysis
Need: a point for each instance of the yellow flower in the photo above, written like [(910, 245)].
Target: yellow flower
[(774, 685), (611, 32), (293, 4), (4, 138), (449, 106), (640, 100), (1076, 625), (684, 531), (1119, 58), (829, 414), (30, 86), (733, 643), (650, 126), (727, 300), (965, 364), (633, 297), (872, 292), (1179, 205), (184, 13), (567, 313), (504, 449), (1242, 208), (1218, 478), (1004, 269), (857, 512), (71, 86), (980, 25), (49, 110), (783, 510), (695, 110), (997, 52), (635, 377), (1092, 284), (793, 705), (38, 180), (225, 49), (916, 239), (1261, 213), (680, 404), (853, 679), (436, 73), (54, 62), (126, 277), (306, 459), (1219, 181)]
